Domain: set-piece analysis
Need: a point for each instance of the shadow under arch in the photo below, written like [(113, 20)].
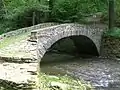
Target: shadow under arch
[(80, 44), (85, 45)]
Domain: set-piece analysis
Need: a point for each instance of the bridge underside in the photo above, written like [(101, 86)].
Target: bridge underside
[(80, 45), (85, 46)]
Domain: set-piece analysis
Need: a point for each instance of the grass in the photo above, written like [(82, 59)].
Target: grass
[(7, 41), (114, 33), (47, 82)]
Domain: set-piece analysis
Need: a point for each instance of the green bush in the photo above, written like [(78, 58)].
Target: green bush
[(19, 14), (117, 8), (16, 14), (75, 10), (113, 33), (24, 18)]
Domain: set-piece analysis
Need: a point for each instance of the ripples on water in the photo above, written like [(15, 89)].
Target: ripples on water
[(104, 74)]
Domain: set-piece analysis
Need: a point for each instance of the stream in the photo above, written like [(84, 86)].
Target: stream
[(103, 74)]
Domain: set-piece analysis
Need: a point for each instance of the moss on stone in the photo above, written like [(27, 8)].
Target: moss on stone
[(7, 41), (47, 82)]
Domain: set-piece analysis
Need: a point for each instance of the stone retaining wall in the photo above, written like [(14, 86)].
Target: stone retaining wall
[(110, 47), (27, 29)]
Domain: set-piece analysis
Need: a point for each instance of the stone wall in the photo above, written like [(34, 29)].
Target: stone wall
[(110, 47), (27, 29)]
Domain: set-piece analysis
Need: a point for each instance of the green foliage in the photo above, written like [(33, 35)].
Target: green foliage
[(74, 10), (16, 7), (15, 14), (1, 9), (19, 13), (117, 7), (113, 33), (117, 13)]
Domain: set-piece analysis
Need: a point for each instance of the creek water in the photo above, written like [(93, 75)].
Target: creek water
[(103, 74)]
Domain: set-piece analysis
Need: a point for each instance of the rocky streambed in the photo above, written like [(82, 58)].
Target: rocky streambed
[(17, 76), (18, 66), (103, 74)]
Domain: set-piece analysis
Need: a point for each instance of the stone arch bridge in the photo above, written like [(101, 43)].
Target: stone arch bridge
[(46, 37)]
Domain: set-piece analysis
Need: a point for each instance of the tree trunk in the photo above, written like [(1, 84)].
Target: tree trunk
[(111, 14), (50, 9), (33, 20)]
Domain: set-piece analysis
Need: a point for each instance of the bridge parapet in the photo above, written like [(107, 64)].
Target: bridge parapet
[(57, 28), (26, 29)]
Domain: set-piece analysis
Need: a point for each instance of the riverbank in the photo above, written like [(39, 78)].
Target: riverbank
[(111, 44), (57, 82)]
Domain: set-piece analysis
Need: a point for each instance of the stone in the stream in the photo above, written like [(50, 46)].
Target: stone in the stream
[(63, 86), (54, 77), (59, 86)]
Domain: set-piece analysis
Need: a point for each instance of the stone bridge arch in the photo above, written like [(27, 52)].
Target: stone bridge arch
[(48, 36)]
